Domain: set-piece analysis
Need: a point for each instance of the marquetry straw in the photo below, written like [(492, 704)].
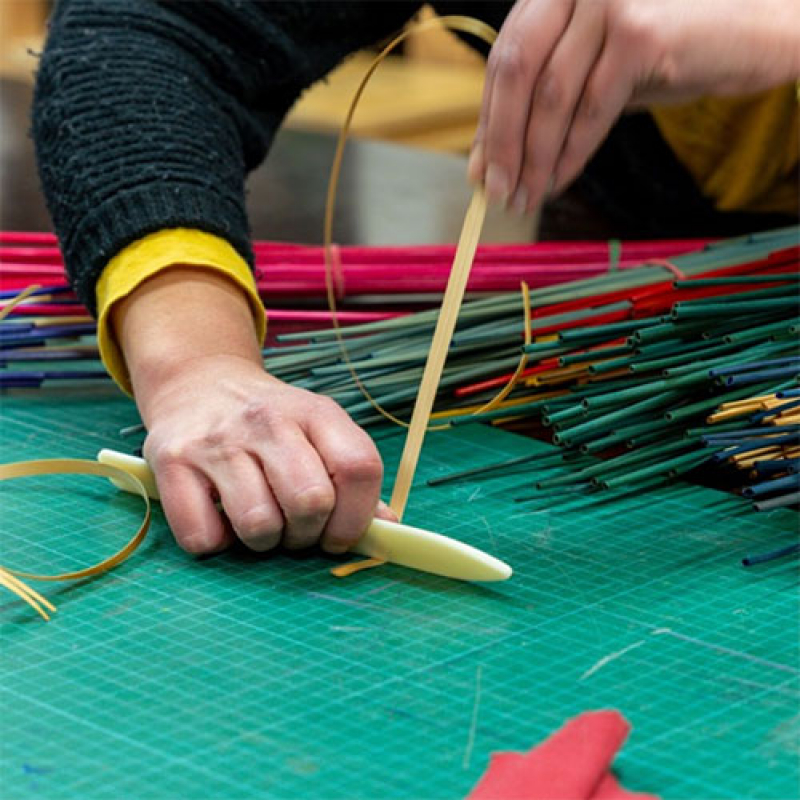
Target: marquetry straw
[(441, 341), (698, 372), (35, 600), (11, 304)]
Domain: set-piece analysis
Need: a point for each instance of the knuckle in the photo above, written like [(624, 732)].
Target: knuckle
[(210, 439), (261, 415), (166, 454), (259, 524), (550, 92), (363, 467), (327, 406), (219, 451), (213, 447), (633, 25), (507, 60), (314, 502)]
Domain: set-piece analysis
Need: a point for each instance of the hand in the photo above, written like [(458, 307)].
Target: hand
[(287, 466), (562, 71)]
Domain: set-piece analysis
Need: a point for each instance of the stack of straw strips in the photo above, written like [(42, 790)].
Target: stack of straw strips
[(761, 434), (372, 284), (632, 366), (286, 273)]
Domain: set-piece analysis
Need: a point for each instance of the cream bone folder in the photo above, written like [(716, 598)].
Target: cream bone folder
[(390, 541)]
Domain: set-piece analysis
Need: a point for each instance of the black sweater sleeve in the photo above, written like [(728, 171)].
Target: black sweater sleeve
[(148, 115)]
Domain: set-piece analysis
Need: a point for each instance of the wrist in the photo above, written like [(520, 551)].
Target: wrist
[(179, 318)]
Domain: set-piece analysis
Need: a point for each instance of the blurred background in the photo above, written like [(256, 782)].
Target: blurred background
[(428, 96), (404, 178)]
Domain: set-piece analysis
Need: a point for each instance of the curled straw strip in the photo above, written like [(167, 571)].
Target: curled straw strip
[(456, 286), (11, 578), (332, 262)]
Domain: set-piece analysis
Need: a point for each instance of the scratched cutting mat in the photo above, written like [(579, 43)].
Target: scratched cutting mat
[(239, 678)]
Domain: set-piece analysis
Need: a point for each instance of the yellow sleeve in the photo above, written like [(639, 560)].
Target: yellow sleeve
[(152, 254)]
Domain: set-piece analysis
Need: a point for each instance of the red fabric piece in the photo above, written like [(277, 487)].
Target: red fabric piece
[(610, 788), (573, 764)]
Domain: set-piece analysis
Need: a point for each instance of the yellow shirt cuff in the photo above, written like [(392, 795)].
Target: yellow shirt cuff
[(149, 256)]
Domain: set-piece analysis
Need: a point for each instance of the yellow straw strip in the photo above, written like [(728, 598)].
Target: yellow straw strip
[(747, 402), (24, 592), (445, 325), (15, 301), (761, 452), (468, 411), (497, 401), (345, 570), (730, 413)]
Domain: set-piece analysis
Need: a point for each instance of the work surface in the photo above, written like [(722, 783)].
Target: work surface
[(236, 677)]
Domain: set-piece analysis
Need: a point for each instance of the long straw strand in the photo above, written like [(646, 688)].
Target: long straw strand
[(441, 340)]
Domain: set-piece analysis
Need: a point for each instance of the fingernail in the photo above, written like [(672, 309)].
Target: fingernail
[(261, 544), (475, 163), (520, 202), (496, 185), (201, 545)]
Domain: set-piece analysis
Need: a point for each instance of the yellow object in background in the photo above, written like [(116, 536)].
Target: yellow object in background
[(743, 152)]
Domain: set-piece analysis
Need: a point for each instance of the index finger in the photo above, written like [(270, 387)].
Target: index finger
[(525, 43)]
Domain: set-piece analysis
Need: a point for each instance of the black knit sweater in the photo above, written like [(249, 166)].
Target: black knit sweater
[(149, 115)]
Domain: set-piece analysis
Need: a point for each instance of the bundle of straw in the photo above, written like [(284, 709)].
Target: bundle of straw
[(596, 337), (634, 367), (286, 272), (373, 284)]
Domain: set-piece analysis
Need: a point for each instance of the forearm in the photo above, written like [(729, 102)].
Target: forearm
[(177, 317), (136, 130)]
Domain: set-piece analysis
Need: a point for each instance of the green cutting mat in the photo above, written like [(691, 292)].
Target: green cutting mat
[(236, 677)]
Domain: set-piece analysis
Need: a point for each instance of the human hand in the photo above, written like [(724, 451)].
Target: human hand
[(562, 71), (287, 466)]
